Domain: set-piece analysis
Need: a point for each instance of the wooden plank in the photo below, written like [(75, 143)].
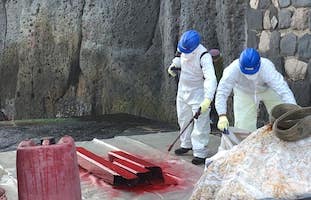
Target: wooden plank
[(102, 168), (156, 171)]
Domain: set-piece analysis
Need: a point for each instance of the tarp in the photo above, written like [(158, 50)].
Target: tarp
[(93, 188), (228, 141), (261, 167)]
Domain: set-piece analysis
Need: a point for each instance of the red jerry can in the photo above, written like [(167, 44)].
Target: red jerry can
[(48, 171)]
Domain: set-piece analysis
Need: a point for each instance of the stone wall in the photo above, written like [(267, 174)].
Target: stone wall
[(281, 30), (93, 57)]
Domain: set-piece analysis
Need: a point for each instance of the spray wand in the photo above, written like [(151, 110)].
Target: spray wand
[(190, 122)]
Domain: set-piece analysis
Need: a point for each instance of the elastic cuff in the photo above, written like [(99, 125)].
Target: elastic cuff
[(186, 145)]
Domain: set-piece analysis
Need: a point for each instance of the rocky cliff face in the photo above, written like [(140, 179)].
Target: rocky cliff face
[(82, 57)]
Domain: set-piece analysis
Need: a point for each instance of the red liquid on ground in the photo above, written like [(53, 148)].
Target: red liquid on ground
[(173, 173)]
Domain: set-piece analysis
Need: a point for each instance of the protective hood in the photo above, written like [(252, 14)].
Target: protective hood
[(251, 77), (189, 56)]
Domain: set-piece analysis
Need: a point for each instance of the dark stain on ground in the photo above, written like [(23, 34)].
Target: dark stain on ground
[(80, 128)]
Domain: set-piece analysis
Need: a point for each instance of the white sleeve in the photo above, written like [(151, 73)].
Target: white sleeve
[(210, 81), (176, 62), (225, 86), (276, 81)]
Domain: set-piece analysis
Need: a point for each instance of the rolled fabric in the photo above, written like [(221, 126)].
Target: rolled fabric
[(293, 125), (278, 110)]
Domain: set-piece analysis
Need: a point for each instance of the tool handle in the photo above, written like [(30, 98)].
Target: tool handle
[(176, 69), (198, 113), (171, 146), (226, 131)]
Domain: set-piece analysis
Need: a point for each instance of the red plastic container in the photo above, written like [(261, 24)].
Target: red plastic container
[(48, 171)]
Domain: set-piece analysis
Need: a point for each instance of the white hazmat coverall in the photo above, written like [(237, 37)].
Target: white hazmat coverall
[(267, 85), (197, 82)]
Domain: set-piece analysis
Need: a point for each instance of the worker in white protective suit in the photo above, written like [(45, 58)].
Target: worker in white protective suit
[(252, 79), (196, 88)]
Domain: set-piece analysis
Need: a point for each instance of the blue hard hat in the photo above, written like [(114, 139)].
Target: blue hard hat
[(249, 61), (189, 41)]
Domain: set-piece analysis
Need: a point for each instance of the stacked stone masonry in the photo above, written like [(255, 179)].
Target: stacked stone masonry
[(281, 31)]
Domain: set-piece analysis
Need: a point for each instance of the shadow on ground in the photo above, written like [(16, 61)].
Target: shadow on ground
[(81, 129)]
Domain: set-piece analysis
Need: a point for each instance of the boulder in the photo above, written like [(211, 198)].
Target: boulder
[(261, 167)]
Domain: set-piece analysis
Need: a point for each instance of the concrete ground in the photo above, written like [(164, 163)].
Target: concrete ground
[(152, 146), (143, 137), (162, 141)]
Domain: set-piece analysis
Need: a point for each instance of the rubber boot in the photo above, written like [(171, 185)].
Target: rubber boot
[(198, 161), (181, 151)]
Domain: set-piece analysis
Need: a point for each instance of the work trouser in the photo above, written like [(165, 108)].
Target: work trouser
[(196, 136), (245, 107)]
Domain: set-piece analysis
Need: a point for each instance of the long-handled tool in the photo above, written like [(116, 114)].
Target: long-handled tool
[(194, 117), (231, 136)]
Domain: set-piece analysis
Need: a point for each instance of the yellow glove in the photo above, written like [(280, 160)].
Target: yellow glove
[(223, 123), (205, 105), (170, 71)]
